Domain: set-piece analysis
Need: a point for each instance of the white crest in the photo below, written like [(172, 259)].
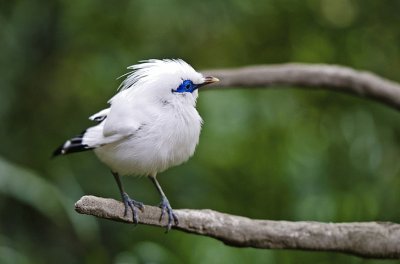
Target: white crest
[(167, 73)]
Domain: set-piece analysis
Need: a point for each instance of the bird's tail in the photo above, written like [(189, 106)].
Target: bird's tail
[(72, 145)]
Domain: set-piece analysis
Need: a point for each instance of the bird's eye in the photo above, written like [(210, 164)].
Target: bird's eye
[(187, 86)]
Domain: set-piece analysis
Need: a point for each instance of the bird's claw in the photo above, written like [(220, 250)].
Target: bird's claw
[(167, 209), (132, 204)]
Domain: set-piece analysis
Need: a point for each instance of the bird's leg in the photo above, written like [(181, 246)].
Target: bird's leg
[(128, 202), (165, 206)]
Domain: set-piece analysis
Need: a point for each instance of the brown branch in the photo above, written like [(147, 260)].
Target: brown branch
[(331, 77), (369, 239)]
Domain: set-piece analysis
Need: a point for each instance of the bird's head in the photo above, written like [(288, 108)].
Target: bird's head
[(165, 79)]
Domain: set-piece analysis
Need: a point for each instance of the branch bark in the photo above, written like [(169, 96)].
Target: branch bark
[(368, 239), (330, 77)]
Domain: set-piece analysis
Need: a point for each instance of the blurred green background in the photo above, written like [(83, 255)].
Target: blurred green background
[(285, 154)]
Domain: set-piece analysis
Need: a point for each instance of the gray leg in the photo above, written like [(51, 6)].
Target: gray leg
[(128, 202), (164, 205)]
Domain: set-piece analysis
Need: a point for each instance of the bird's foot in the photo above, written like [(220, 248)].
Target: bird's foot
[(133, 205), (166, 209)]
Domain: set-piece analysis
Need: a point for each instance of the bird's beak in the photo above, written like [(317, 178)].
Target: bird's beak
[(208, 80)]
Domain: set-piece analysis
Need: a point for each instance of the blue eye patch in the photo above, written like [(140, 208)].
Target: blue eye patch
[(187, 86)]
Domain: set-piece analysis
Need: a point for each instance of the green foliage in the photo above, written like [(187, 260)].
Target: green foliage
[(272, 154)]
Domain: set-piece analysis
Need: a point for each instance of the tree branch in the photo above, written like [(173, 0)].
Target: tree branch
[(369, 239), (330, 77)]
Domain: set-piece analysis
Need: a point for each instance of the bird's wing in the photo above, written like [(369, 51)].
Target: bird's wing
[(126, 116), (94, 137), (91, 138), (123, 119)]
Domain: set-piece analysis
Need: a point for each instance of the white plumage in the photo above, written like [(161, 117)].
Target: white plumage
[(152, 123), (149, 129)]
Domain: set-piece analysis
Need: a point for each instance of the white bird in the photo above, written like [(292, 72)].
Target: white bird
[(151, 125)]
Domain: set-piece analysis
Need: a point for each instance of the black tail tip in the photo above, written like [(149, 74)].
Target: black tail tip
[(71, 146), (59, 151)]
